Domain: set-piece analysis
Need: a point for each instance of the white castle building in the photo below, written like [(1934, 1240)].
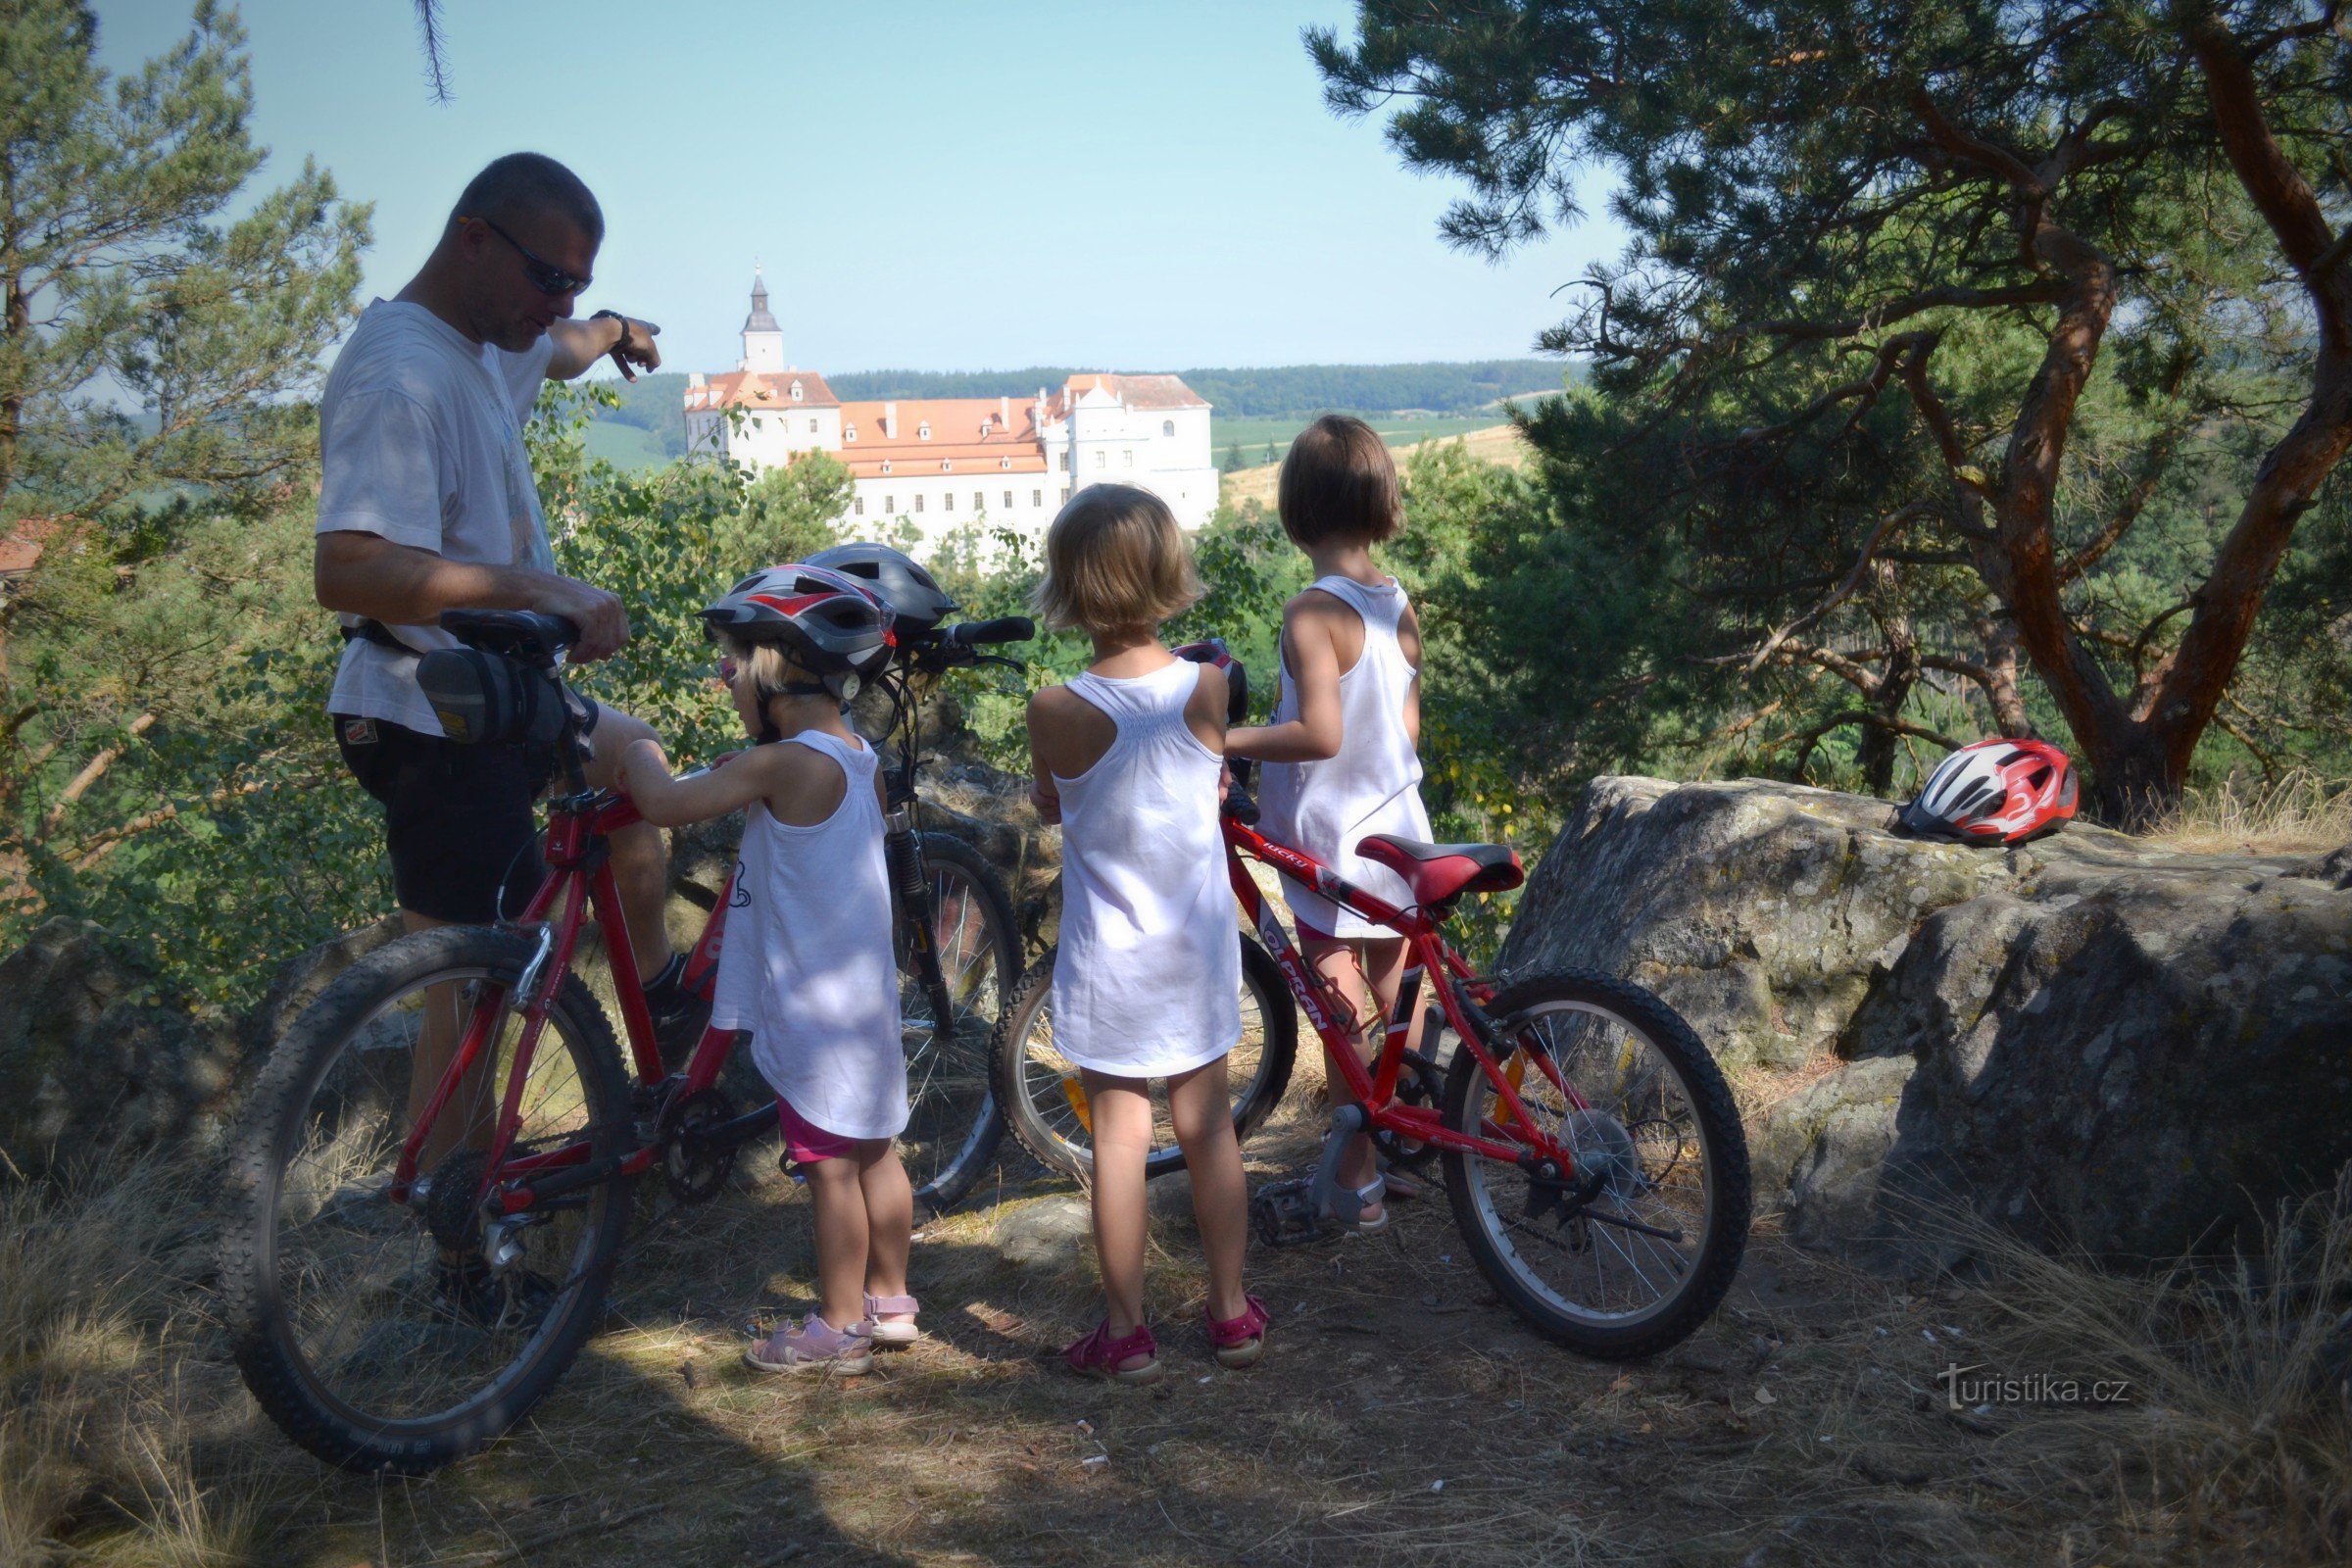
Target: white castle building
[(938, 463)]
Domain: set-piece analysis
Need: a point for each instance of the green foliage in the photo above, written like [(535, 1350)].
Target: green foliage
[(114, 271)]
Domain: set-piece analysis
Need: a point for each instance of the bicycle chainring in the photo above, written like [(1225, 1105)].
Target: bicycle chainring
[(1418, 1084), (695, 1168)]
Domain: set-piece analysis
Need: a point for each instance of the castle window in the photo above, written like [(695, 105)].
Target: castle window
[(858, 506), (1065, 462), (918, 501), (1005, 464), (946, 503), (1167, 427), (812, 427), (979, 501), (1007, 501), (923, 431), (1101, 458), (1127, 458), (1066, 493), (1037, 498), (797, 394), (889, 505), (947, 465), (885, 465), (848, 432)]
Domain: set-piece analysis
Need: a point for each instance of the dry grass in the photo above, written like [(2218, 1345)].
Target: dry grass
[(1401, 1416), (1499, 443), (2300, 813)]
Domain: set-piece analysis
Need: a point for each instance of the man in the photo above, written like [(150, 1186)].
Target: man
[(427, 504)]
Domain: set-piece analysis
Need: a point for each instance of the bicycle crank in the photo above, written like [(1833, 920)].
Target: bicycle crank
[(695, 1160)]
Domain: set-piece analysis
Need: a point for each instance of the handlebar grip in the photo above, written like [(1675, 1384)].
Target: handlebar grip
[(1239, 804), (1005, 629)]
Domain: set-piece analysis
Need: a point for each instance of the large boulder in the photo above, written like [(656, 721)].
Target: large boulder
[(2086, 1039), (88, 1062)]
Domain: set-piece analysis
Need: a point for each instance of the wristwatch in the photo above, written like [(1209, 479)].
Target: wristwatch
[(614, 315)]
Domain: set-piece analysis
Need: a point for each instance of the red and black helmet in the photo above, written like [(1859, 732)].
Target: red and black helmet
[(1996, 792), (830, 623), (1237, 677)]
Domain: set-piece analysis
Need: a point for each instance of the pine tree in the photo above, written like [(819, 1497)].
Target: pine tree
[(1233, 458), (117, 272)]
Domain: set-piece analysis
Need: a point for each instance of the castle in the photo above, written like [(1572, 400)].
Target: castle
[(938, 463)]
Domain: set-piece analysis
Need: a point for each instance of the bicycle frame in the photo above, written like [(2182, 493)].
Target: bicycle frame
[(580, 878), (1460, 993)]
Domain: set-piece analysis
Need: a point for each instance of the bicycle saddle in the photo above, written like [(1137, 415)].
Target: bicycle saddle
[(1437, 872), (524, 634)]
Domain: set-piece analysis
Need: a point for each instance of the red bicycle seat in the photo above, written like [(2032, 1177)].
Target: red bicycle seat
[(1437, 872)]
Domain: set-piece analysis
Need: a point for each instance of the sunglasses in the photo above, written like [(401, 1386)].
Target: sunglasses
[(545, 276), (726, 670)]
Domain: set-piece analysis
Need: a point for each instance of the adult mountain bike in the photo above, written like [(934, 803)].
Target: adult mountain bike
[(1592, 1152), (401, 1289)]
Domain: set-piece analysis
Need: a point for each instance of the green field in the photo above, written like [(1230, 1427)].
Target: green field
[(625, 446)]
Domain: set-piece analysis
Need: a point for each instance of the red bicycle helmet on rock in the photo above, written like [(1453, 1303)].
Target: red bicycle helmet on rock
[(1996, 792), (830, 623)]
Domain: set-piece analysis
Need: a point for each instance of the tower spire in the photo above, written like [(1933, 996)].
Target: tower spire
[(763, 338)]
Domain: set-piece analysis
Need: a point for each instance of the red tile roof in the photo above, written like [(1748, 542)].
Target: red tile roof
[(753, 389), (1136, 391), (21, 551)]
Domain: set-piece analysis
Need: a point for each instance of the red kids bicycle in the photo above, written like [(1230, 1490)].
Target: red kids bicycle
[(402, 1283), (1590, 1149)]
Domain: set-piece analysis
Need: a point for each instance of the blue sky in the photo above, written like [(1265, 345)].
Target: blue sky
[(931, 186)]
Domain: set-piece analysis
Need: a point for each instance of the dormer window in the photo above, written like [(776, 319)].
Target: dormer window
[(885, 465), (947, 466), (798, 395), (923, 431), (986, 425), (848, 432), (1007, 465)]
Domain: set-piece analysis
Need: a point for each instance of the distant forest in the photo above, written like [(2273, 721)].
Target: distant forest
[(655, 402)]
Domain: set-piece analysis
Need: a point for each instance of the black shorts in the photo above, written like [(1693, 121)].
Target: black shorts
[(456, 819)]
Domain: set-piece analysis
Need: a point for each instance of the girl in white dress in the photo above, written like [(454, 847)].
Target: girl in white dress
[(809, 967), (1339, 756), (1146, 983)]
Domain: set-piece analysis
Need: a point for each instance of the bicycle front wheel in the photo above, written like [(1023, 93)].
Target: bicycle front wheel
[(383, 1334), (953, 1125), (1630, 1250), (1045, 1103)]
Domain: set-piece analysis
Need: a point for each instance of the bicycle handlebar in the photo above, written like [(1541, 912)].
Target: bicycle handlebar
[(1005, 629)]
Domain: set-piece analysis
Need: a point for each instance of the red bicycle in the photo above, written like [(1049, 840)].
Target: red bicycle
[(402, 1281), (1592, 1152)]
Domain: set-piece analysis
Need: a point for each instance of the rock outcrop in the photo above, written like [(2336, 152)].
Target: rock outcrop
[(2082, 1038)]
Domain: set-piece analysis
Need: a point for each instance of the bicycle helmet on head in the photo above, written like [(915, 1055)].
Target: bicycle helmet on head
[(892, 577), (830, 624), (1996, 792)]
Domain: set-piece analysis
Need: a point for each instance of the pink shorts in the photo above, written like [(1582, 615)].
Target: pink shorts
[(806, 1142)]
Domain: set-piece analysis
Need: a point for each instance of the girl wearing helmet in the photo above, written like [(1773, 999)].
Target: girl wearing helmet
[(819, 996)]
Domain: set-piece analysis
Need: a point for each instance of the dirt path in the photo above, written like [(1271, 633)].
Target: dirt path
[(1401, 1416)]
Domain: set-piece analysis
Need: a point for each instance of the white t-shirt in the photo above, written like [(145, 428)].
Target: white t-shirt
[(420, 440)]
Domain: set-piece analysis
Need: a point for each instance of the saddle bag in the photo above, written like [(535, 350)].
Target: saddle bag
[(485, 699)]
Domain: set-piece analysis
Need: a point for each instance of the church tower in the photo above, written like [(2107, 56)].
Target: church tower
[(763, 338)]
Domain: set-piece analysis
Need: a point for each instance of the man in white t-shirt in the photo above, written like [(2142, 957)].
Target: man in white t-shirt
[(426, 503)]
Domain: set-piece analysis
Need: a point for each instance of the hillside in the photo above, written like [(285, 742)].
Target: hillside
[(1493, 443), (1257, 409)]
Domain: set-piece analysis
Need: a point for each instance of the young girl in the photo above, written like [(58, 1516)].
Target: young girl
[(1148, 981), (1339, 754), (809, 967)]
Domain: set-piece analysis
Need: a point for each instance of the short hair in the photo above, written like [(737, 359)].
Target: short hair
[(1339, 482), (1115, 557), (529, 183), (767, 667)]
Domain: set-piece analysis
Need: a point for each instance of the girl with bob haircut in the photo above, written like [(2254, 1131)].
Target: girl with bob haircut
[(1146, 983), (1340, 753)]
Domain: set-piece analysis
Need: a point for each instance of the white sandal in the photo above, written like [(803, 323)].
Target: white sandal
[(1372, 1191), (892, 1335)]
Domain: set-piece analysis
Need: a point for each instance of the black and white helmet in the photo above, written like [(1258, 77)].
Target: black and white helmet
[(831, 625), (892, 577)]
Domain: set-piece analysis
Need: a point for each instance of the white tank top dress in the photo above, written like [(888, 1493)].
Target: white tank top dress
[(1148, 980), (1372, 786), (809, 967)]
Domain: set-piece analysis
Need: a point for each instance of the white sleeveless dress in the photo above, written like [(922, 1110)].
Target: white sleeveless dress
[(1148, 981), (1372, 786), (809, 967)]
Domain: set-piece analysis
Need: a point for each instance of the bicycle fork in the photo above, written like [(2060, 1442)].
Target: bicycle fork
[(911, 880)]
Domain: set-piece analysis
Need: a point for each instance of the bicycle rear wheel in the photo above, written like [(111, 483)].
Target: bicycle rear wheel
[(379, 1335), (1046, 1105), (953, 1125), (1636, 1247)]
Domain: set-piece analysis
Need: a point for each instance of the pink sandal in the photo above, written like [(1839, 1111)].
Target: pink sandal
[(815, 1346), (1239, 1341), (1099, 1355), (892, 1335)]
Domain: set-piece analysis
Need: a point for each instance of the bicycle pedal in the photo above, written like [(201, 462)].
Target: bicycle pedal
[(1285, 1213)]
